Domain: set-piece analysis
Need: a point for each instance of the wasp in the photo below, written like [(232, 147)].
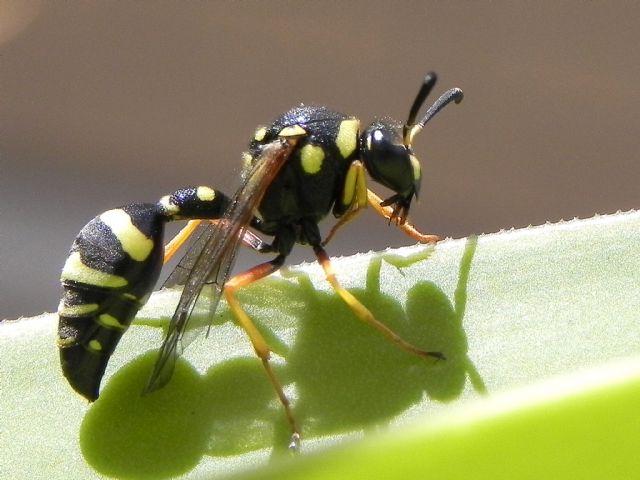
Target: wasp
[(310, 161)]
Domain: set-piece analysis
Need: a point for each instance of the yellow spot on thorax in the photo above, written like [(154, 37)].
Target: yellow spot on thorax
[(260, 133), (95, 345), (247, 159), (206, 194), (133, 241), (292, 131), (76, 271), (311, 158), (347, 138)]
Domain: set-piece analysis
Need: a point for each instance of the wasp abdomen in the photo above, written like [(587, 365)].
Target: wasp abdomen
[(113, 265), (112, 268)]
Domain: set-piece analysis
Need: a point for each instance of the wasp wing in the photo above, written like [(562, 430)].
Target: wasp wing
[(210, 259), (199, 238)]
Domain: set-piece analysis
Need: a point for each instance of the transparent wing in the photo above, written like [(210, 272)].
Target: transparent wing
[(180, 273), (207, 264)]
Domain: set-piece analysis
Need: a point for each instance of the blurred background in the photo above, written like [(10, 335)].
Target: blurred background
[(106, 103)]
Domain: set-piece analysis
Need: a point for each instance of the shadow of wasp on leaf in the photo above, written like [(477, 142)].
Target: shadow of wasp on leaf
[(346, 376)]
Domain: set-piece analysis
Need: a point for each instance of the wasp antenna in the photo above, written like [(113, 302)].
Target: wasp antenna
[(452, 95), (427, 85)]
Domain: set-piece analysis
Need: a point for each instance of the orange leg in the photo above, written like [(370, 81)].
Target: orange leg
[(363, 313), (356, 195), (182, 236), (407, 228), (347, 217), (257, 340), (249, 239)]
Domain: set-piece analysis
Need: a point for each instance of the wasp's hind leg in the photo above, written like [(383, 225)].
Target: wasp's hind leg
[(257, 339), (249, 239)]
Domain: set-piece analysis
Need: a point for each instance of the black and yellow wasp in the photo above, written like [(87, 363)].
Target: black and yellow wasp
[(309, 161)]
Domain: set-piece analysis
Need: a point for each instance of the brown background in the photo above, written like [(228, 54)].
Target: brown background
[(104, 103)]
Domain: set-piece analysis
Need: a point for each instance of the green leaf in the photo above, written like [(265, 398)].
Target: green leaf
[(539, 326)]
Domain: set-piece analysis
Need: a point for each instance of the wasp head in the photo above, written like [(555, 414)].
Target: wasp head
[(388, 155)]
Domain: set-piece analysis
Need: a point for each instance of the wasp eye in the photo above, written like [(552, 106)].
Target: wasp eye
[(389, 161)]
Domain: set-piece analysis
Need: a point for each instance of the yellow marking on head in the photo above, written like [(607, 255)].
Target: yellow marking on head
[(95, 345), (170, 208), (76, 271), (311, 157), (76, 310), (206, 194), (133, 241), (292, 131), (417, 169), (107, 320), (260, 134), (347, 138)]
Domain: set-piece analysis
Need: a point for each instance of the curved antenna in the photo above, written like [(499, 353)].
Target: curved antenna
[(452, 95), (410, 129)]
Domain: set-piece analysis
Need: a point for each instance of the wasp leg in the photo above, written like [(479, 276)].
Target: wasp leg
[(257, 340), (362, 312), (176, 242), (249, 239), (407, 228), (354, 197)]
